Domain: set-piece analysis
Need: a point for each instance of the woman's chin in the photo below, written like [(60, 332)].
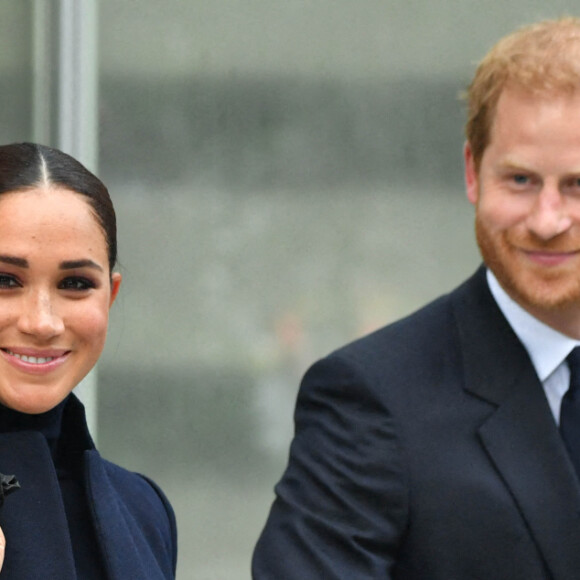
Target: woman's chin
[(31, 404)]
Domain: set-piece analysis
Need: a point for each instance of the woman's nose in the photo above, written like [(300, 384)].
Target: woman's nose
[(39, 317)]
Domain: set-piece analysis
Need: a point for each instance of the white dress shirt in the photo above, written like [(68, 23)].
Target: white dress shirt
[(547, 347)]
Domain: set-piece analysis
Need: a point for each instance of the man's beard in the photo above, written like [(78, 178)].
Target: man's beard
[(532, 286)]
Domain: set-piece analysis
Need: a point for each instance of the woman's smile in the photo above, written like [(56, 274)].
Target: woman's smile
[(35, 361)]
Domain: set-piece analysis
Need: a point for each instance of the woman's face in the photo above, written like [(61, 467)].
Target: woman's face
[(55, 296)]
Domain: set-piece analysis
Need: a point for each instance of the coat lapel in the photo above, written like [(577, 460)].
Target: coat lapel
[(34, 513), (521, 436), (126, 552)]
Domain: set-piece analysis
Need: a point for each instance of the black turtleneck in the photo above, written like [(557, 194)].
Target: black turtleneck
[(66, 449), (49, 423)]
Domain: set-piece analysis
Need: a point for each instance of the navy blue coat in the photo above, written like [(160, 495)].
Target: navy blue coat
[(134, 522), (426, 451)]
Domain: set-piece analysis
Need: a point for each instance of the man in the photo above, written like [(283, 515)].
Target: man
[(433, 449)]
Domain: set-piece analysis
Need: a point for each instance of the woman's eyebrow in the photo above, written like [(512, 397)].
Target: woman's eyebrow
[(66, 265), (12, 260), (73, 264)]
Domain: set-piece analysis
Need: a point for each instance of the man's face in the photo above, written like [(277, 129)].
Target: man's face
[(527, 198)]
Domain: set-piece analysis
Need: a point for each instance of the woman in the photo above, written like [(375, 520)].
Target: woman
[(75, 514)]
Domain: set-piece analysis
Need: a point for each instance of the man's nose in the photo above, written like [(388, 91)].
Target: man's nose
[(39, 316), (549, 217)]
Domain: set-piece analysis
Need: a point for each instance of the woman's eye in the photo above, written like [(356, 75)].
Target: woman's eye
[(7, 281), (75, 283)]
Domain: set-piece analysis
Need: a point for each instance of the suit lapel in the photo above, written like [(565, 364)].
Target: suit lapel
[(521, 436), (525, 446)]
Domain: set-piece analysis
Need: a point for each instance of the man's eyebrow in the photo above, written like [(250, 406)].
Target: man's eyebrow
[(512, 164), (73, 264), (13, 261)]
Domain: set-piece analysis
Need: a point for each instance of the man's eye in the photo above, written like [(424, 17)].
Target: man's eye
[(520, 179), (572, 186), (7, 281), (75, 283)]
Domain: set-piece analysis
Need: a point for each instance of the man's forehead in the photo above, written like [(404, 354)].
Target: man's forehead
[(515, 99)]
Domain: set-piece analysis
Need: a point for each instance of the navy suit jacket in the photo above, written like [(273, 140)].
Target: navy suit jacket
[(426, 451), (134, 522)]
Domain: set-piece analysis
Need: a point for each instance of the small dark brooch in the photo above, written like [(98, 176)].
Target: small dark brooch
[(8, 485)]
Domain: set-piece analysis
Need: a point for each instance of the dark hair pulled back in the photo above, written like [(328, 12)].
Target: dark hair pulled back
[(29, 165)]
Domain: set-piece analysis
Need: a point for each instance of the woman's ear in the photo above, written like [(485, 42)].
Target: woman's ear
[(471, 177), (115, 285)]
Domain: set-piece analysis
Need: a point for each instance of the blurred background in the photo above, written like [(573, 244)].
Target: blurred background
[(287, 177)]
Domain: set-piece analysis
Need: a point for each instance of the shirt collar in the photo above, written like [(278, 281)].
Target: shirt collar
[(547, 347)]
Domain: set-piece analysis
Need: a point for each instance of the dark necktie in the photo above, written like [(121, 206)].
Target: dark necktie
[(570, 411)]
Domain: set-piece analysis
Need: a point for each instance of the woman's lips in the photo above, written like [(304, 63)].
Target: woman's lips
[(33, 360)]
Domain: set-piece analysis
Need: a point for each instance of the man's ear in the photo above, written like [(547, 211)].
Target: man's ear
[(471, 178)]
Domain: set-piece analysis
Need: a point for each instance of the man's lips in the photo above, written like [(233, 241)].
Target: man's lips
[(550, 257)]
